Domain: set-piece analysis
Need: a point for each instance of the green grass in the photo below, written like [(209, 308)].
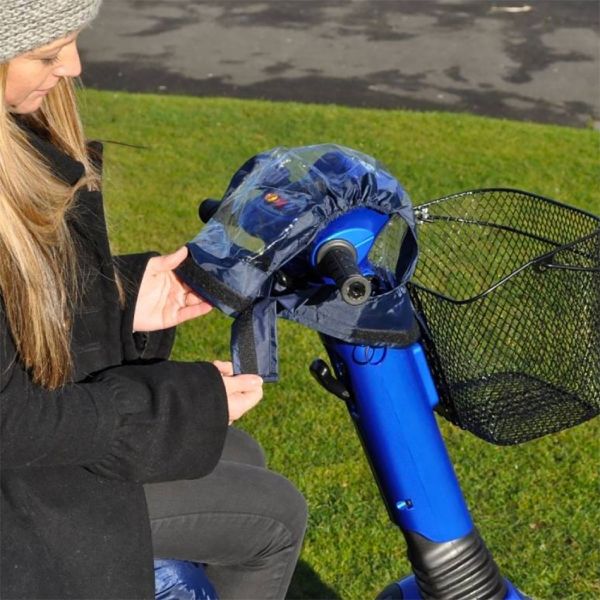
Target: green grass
[(536, 505)]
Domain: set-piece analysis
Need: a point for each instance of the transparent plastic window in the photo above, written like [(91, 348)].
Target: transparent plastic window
[(385, 251), (261, 212)]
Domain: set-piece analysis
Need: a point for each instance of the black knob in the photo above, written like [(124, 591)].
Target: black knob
[(207, 209), (337, 259)]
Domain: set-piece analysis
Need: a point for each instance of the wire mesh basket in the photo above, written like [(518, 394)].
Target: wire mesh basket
[(508, 293)]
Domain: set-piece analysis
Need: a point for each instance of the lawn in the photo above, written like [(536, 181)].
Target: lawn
[(536, 504)]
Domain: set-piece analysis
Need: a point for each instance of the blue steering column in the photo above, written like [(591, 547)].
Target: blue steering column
[(391, 397), (391, 404)]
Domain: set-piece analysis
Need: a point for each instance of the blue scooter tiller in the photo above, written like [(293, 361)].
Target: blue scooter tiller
[(479, 251)]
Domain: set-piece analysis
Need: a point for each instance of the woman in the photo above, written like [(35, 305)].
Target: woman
[(111, 454)]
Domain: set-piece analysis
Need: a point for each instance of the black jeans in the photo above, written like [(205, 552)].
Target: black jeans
[(244, 522)]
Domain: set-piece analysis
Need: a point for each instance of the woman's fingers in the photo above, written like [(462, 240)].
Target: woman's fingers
[(243, 393), (225, 367), (192, 312), (243, 384)]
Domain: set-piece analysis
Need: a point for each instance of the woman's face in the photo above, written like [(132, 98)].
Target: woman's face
[(33, 74)]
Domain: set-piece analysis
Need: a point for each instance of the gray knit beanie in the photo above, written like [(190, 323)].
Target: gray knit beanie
[(29, 24)]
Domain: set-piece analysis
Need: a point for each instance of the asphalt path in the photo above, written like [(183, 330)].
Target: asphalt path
[(535, 60)]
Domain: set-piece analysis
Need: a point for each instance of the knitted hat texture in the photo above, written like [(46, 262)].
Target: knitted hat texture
[(29, 24)]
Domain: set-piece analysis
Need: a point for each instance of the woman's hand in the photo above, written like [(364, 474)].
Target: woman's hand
[(243, 391), (163, 300)]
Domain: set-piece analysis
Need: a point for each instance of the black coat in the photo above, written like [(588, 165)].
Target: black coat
[(74, 522)]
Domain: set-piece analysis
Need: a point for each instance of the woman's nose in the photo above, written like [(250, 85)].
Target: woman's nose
[(70, 64)]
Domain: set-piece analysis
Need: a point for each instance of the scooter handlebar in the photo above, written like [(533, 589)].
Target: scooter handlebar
[(336, 259)]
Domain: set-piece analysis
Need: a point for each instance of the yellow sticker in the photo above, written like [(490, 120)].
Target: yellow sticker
[(271, 197)]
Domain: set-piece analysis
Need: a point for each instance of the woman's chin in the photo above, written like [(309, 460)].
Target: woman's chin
[(28, 106)]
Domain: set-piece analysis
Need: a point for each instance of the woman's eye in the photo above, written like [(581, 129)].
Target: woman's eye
[(50, 61)]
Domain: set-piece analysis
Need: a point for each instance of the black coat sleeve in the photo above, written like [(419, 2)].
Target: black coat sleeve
[(139, 345), (151, 422)]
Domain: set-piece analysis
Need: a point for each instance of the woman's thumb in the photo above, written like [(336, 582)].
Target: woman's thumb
[(171, 261)]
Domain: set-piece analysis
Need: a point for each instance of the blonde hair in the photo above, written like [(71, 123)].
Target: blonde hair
[(38, 265)]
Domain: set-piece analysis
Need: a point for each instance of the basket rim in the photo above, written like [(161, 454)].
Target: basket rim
[(544, 261), (474, 191)]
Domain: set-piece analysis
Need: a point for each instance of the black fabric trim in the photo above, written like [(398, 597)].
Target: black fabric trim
[(375, 337), (199, 279)]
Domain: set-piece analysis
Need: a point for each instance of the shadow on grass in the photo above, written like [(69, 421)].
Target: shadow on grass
[(307, 585)]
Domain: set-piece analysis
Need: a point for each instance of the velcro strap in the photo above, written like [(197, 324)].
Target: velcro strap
[(209, 286), (254, 341)]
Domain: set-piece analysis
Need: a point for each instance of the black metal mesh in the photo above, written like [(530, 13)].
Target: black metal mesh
[(508, 288)]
